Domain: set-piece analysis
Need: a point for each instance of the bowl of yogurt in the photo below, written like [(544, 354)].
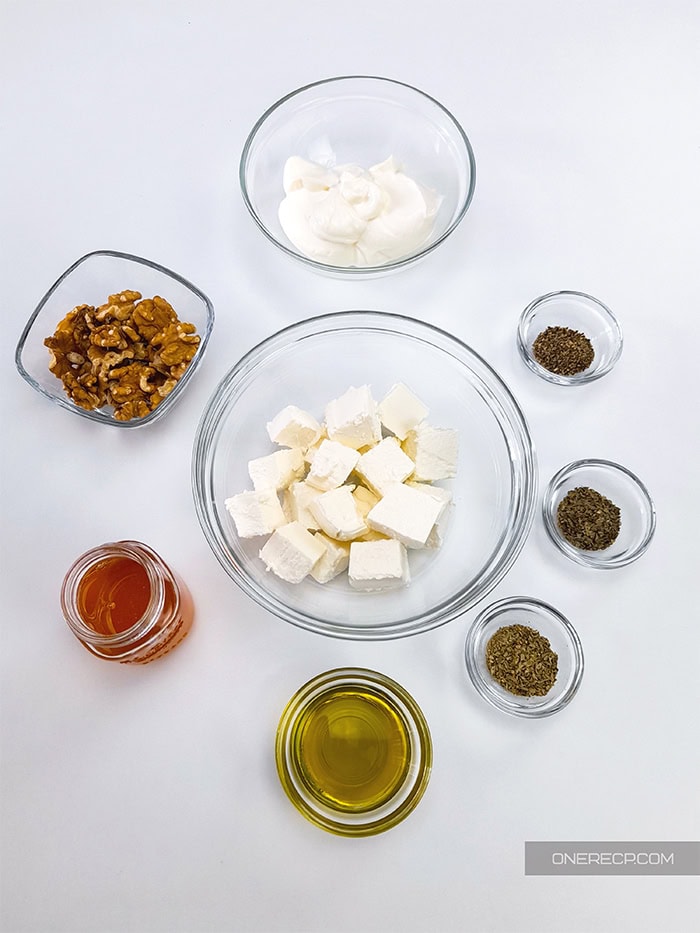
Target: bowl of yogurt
[(357, 176), (364, 418)]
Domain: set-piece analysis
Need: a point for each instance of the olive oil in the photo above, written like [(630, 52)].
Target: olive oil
[(352, 748)]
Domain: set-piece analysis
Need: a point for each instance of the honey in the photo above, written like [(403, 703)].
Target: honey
[(125, 604), (353, 749)]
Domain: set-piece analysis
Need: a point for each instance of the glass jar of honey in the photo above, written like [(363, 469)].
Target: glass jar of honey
[(125, 604)]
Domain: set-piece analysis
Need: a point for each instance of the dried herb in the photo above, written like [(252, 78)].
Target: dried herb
[(563, 351), (587, 519), (522, 661)]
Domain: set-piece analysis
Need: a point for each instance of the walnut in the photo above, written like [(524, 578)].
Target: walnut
[(128, 353)]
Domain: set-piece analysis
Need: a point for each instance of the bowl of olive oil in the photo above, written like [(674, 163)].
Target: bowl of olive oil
[(353, 752)]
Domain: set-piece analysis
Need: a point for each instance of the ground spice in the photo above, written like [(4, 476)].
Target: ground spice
[(522, 661), (588, 520), (563, 351)]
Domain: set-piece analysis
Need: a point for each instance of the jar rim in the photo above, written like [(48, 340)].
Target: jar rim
[(134, 550)]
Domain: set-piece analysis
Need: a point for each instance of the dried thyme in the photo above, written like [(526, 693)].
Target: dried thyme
[(587, 519), (522, 661), (563, 351)]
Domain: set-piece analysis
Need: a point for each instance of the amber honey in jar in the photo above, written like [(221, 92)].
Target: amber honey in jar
[(125, 604)]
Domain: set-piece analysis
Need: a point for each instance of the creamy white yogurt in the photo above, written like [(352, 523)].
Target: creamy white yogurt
[(347, 216)]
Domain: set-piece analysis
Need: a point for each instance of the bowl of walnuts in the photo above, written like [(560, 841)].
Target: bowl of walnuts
[(116, 339)]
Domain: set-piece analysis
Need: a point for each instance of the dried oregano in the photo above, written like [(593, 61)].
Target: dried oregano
[(563, 351), (587, 519), (522, 661)]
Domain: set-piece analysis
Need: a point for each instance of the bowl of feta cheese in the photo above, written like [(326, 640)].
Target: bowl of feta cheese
[(357, 175), (364, 475)]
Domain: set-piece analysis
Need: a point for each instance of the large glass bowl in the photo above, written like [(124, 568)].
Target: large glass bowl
[(363, 120), (312, 362)]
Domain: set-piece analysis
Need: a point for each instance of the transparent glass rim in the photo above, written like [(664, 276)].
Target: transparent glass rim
[(148, 560), (65, 402), (404, 801), (590, 375), (484, 688), (355, 271), (589, 558), (523, 471)]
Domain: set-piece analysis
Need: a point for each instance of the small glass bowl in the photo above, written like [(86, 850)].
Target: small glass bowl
[(546, 620), (364, 120), (637, 512), (353, 752), (579, 312), (91, 280)]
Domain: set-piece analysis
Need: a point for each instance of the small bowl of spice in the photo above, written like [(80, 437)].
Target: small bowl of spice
[(524, 657), (569, 338), (599, 514), (116, 339)]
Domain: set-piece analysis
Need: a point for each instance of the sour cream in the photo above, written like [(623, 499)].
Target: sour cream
[(346, 216)]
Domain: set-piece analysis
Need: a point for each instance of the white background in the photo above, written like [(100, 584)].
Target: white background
[(146, 799)]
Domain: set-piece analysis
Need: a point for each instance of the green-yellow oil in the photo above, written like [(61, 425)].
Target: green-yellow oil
[(352, 749)]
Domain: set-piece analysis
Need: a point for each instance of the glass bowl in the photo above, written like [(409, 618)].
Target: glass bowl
[(353, 752), (314, 361), (363, 120), (579, 312), (625, 490), (91, 280), (550, 623)]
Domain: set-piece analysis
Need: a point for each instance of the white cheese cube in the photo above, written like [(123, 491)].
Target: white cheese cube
[(444, 496), (384, 464), (378, 565), (333, 562), (332, 464), (434, 452), (255, 513), (365, 499), (296, 504), (291, 552), (337, 514), (293, 427), (310, 451), (400, 410), (406, 514), (277, 470), (352, 419)]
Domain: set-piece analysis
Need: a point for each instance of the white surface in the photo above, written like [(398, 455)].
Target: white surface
[(146, 799)]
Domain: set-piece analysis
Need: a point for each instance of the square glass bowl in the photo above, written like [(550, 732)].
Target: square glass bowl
[(91, 280)]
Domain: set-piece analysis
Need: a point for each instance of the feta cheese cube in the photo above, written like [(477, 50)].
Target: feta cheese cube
[(277, 470), (406, 514), (337, 514), (255, 513), (434, 452), (291, 552), (365, 499), (352, 419), (310, 451), (332, 464), (437, 533), (295, 503), (378, 565), (293, 427), (384, 464), (400, 410), (333, 562)]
